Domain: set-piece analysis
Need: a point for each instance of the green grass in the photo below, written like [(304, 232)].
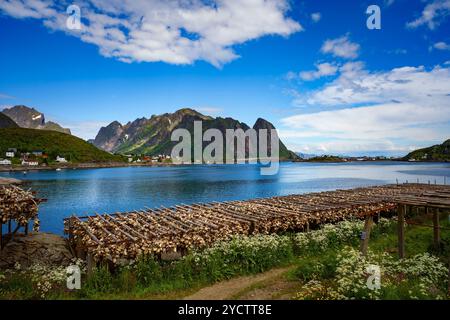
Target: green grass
[(53, 144), (151, 279)]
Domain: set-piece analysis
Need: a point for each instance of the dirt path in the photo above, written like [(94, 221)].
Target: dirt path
[(232, 288)]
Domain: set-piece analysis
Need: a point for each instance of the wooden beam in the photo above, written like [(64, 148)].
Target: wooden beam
[(366, 235), (436, 229), (90, 264), (401, 230)]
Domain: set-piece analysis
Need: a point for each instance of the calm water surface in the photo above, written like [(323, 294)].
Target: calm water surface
[(103, 190)]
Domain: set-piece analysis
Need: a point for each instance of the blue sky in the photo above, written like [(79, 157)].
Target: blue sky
[(313, 68)]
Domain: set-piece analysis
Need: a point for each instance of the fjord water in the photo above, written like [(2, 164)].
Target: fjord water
[(110, 190)]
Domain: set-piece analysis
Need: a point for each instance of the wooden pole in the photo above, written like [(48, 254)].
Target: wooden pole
[(366, 235), (448, 288), (401, 230), (90, 264), (436, 229)]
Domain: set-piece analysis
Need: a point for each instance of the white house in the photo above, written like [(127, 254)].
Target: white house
[(5, 162), (30, 163), (10, 154), (61, 159)]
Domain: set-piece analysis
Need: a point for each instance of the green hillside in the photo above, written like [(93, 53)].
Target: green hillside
[(53, 144), (440, 152)]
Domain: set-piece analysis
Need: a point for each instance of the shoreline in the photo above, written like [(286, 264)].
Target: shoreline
[(162, 164), (82, 166), (18, 168)]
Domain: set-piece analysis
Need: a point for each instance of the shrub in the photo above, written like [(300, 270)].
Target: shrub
[(419, 277)]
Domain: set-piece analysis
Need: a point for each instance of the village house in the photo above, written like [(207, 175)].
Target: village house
[(37, 153), (31, 163), (5, 162), (10, 154), (61, 159)]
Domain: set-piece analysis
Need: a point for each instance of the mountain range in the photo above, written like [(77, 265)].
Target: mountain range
[(30, 118), (153, 136)]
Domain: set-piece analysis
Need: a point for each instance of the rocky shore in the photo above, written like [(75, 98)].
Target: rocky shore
[(6, 181), (45, 249)]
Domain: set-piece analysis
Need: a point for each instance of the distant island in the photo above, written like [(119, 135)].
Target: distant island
[(438, 153), (332, 158)]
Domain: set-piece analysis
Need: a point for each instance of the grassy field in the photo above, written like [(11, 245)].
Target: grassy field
[(322, 264)]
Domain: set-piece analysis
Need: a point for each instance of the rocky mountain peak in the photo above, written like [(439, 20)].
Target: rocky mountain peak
[(263, 124), (31, 118), (108, 137), (25, 117)]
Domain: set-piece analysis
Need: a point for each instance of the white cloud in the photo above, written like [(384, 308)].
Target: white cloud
[(5, 106), (441, 46), (84, 129), (399, 108), (316, 16), (6, 96), (209, 110), (341, 47), (355, 85), (397, 51), (385, 121), (176, 32), (432, 15), (323, 70), (353, 147)]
